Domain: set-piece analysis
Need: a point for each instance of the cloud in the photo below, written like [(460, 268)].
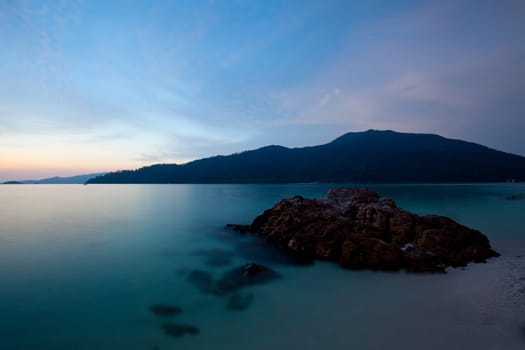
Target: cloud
[(427, 70), (327, 97)]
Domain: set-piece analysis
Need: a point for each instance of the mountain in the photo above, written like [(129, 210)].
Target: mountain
[(370, 156), (77, 179)]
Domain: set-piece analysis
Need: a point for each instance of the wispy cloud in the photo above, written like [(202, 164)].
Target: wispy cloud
[(425, 70)]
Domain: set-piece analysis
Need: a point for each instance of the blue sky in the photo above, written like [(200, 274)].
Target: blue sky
[(91, 86)]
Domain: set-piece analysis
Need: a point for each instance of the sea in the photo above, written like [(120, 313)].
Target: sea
[(81, 267)]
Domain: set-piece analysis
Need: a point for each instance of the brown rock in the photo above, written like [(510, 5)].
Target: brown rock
[(329, 250), (371, 253), (402, 226), (361, 230)]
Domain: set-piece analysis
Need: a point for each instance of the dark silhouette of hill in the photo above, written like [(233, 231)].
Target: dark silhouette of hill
[(370, 156), (76, 179)]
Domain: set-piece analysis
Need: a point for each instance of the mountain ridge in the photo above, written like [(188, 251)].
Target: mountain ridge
[(369, 156), (75, 179)]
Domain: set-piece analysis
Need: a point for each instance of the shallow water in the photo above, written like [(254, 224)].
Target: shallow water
[(80, 267)]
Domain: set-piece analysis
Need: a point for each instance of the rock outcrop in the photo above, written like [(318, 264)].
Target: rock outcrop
[(360, 230)]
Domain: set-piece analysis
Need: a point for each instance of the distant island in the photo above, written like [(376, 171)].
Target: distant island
[(372, 156), (76, 179)]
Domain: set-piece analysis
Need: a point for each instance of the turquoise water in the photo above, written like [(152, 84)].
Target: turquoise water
[(81, 265)]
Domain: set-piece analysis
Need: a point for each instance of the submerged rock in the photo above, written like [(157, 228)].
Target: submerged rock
[(357, 228), (232, 280), (246, 275), (257, 250), (239, 301), (238, 228), (515, 197), (216, 257), (203, 280), (177, 330), (165, 310)]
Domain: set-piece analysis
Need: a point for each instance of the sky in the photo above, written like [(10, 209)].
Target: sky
[(89, 86)]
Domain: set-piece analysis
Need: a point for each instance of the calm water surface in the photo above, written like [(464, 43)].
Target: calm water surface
[(81, 265)]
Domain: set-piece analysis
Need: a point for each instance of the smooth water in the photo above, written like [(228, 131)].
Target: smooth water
[(81, 265)]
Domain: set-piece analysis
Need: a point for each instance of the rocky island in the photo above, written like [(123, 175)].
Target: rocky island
[(360, 230)]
